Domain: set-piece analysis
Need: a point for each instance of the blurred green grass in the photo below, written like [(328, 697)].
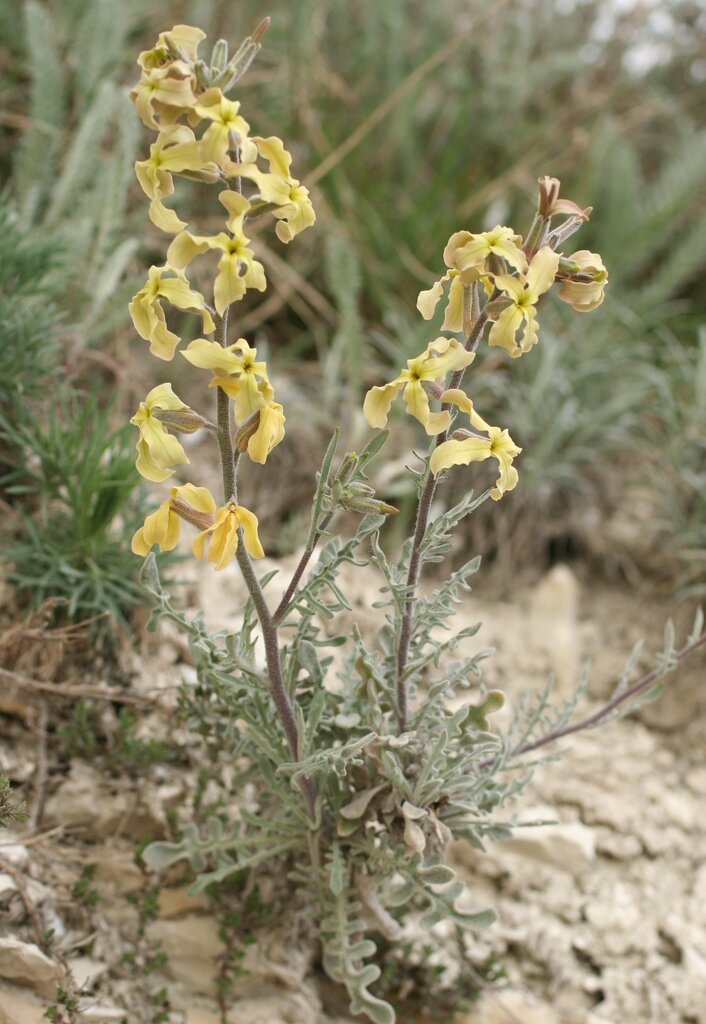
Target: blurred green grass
[(410, 121)]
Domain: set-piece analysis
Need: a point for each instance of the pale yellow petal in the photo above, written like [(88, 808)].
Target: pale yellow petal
[(272, 149), (417, 402), (453, 319), (427, 301), (542, 271), (199, 498), (184, 248), (504, 330), (378, 400), (229, 286), (209, 355), (248, 523), (455, 453), (269, 433), (165, 219)]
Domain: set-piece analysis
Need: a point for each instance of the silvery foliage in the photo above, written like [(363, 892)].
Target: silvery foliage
[(387, 804)]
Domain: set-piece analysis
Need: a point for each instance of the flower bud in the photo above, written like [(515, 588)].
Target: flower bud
[(433, 388), (181, 421), (549, 203), (245, 431), (242, 59), (219, 56), (462, 435), (548, 194), (363, 505), (497, 306), (202, 520)]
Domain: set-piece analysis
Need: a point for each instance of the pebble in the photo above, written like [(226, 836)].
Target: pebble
[(24, 962)]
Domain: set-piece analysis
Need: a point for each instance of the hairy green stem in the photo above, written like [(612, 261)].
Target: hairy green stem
[(423, 509)]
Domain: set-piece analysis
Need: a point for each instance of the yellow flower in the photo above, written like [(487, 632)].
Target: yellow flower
[(157, 450), (433, 364), (295, 212), (465, 449), (195, 504), (586, 290), (176, 149), (465, 256), (180, 42), (147, 313), (524, 292), (262, 432), (167, 91), (238, 270), (227, 127), (250, 389), (223, 536)]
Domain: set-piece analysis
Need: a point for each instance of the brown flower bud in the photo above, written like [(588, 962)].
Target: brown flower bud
[(181, 421), (549, 203), (245, 431), (202, 520), (433, 388), (462, 435)]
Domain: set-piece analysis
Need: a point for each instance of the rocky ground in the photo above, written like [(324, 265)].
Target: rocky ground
[(601, 916)]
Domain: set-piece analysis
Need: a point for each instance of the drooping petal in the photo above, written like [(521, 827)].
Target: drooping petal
[(542, 271), (248, 523), (427, 301), (444, 355), (164, 218), (199, 497), (161, 528), (504, 330), (158, 451), (185, 247), (209, 355), (417, 402), (453, 319), (269, 433), (459, 452), (378, 400)]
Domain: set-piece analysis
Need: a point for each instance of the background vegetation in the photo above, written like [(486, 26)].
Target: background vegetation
[(408, 121)]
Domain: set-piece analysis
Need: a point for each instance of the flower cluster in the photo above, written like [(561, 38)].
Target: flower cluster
[(511, 275), (202, 135)]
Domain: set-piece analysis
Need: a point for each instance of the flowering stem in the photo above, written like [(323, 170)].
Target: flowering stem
[(598, 716), (592, 720), (223, 437), (282, 607), (280, 698), (423, 509)]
